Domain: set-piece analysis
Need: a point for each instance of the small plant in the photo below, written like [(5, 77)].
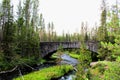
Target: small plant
[(84, 59), (59, 52), (118, 59)]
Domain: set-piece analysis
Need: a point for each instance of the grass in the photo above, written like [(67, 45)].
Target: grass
[(74, 55), (55, 56), (105, 70), (47, 73), (71, 54)]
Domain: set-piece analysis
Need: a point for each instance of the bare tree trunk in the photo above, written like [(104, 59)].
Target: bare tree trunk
[(1, 37)]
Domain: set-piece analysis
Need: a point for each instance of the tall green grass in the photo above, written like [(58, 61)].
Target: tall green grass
[(47, 73)]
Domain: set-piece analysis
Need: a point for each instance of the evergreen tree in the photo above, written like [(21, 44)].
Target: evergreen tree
[(27, 10), (93, 34), (1, 32), (102, 30), (110, 50), (8, 30), (42, 33), (49, 26), (35, 13), (52, 31), (31, 39)]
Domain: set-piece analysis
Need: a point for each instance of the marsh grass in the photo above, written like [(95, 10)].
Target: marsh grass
[(47, 73)]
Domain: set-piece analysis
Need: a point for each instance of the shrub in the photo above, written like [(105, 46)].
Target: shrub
[(105, 70), (84, 59)]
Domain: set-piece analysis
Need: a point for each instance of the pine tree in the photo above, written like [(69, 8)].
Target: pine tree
[(102, 30), (110, 50), (35, 13), (42, 33), (31, 39), (49, 35), (52, 31), (8, 28), (1, 32)]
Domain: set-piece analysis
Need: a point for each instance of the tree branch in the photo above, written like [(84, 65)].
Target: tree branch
[(2, 72), (29, 66), (21, 74)]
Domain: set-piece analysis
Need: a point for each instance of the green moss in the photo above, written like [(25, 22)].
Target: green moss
[(47, 73)]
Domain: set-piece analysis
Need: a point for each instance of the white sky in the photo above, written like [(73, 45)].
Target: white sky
[(67, 15)]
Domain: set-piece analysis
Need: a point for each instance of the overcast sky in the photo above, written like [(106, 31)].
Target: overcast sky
[(67, 15)]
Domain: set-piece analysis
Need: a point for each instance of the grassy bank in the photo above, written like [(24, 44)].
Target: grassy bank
[(73, 54), (47, 73), (105, 70), (76, 56)]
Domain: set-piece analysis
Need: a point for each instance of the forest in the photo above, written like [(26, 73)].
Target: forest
[(21, 35)]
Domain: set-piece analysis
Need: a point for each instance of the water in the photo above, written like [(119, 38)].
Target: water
[(69, 76), (66, 59)]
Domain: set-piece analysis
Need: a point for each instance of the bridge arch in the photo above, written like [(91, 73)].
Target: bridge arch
[(48, 48)]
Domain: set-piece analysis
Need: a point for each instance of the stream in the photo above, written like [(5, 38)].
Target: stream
[(66, 59)]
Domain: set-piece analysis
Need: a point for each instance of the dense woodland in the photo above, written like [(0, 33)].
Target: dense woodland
[(21, 35)]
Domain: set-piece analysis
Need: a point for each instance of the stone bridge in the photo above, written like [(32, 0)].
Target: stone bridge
[(48, 48)]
